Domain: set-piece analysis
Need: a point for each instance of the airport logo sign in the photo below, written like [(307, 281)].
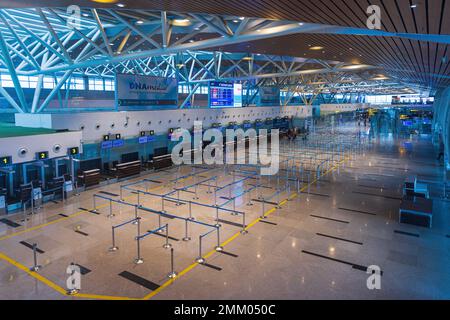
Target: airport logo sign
[(260, 152)]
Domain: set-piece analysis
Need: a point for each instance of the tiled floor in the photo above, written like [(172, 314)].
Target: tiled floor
[(315, 246)]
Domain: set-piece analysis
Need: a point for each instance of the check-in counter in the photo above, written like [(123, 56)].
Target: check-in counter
[(163, 161), (89, 177), (127, 169)]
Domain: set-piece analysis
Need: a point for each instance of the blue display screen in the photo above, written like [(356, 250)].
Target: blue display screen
[(225, 95), (143, 139)]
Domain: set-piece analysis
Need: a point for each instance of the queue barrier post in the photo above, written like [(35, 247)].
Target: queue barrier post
[(139, 259), (172, 274), (35, 266), (186, 232), (200, 258), (167, 245), (218, 247)]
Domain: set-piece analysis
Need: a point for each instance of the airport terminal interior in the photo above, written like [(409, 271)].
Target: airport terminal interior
[(221, 149)]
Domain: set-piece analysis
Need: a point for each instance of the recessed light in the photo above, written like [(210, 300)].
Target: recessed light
[(300, 23), (120, 5), (316, 48), (241, 18), (181, 22), (414, 6), (139, 22)]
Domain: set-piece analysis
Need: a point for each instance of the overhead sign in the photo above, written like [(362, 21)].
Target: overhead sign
[(5, 161), (42, 155), (268, 96), (225, 95), (74, 151), (138, 92)]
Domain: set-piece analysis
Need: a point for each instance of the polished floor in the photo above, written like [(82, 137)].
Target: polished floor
[(316, 245)]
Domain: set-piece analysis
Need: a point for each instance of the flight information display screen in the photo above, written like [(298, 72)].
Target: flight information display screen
[(225, 95)]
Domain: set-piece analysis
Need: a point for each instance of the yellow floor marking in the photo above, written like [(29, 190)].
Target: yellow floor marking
[(233, 237), (33, 274)]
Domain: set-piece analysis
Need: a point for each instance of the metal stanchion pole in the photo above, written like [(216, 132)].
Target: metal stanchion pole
[(95, 203), (190, 212), (167, 245), (217, 217), (162, 204), (244, 230), (111, 214), (138, 260), (172, 274), (35, 267), (263, 213), (200, 258), (218, 246), (135, 215), (186, 233), (114, 247)]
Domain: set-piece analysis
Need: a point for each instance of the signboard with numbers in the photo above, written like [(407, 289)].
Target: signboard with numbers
[(5, 161)]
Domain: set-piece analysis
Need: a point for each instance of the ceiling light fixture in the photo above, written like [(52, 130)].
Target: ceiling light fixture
[(139, 22), (316, 48), (181, 22)]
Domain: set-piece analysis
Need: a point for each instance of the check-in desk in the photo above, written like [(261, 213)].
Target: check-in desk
[(89, 177), (163, 161), (127, 169), (416, 211)]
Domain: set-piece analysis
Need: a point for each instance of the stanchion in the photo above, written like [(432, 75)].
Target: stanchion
[(263, 213), (186, 232), (35, 267), (218, 247), (217, 225), (138, 260), (244, 230), (113, 247), (111, 214), (167, 245), (172, 274), (190, 212), (200, 258)]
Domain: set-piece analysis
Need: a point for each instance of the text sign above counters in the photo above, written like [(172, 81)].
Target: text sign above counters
[(138, 92)]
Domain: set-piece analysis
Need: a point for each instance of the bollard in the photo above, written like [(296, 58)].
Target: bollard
[(35, 267), (218, 247), (138, 260), (186, 235), (200, 258), (172, 274), (167, 245)]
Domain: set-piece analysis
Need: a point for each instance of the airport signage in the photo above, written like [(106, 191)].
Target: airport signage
[(5, 161), (225, 94), (74, 151), (139, 92), (42, 155)]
